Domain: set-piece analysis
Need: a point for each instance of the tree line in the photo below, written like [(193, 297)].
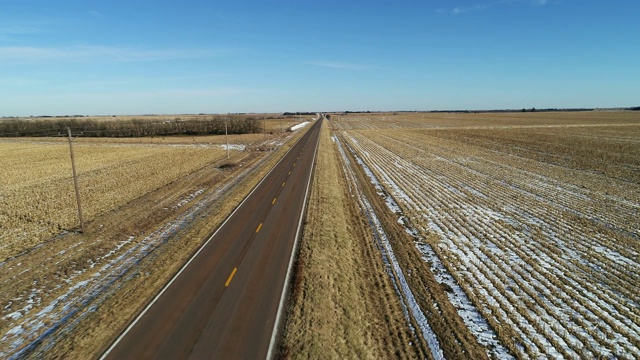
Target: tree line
[(214, 125)]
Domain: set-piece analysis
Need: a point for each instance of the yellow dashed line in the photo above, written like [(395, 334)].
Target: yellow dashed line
[(274, 201), (230, 277), (259, 227), (283, 184)]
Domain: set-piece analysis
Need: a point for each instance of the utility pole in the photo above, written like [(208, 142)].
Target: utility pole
[(75, 182), (226, 136)]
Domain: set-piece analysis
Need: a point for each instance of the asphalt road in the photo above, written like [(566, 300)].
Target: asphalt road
[(224, 302)]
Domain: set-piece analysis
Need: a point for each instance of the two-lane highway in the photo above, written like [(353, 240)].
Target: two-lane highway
[(224, 302)]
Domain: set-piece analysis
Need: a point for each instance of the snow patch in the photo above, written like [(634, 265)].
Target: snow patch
[(237, 147), (299, 126)]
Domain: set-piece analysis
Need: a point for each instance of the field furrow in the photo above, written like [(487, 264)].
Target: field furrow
[(537, 232)]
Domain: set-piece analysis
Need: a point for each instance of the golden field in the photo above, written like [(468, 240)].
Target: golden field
[(148, 205), (37, 199)]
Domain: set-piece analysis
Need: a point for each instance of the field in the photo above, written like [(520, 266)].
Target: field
[(443, 235), (530, 222), (147, 203), (37, 199)]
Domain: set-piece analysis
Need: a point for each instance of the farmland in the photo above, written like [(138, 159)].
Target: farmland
[(528, 221), (38, 199), (147, 203), (510, 235)]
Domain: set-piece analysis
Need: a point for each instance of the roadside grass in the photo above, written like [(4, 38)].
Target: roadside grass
[(342, 304)]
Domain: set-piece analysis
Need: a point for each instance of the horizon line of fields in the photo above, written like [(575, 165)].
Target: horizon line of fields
[(298, 113)]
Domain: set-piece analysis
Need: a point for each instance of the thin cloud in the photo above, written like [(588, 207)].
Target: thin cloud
[(11, 82), (137, 81), (481, 7), (464, 9), (342, 65), (10, 33), (100, 53), (97, 14)]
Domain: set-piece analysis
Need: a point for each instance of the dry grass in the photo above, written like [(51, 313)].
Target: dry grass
[(342, 305)]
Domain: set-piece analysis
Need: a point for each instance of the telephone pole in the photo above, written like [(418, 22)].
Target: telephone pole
[(75, 182), (226, 136)]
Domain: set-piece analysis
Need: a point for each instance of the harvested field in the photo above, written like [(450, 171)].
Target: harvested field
[(529, 221), (37, 200), (69, 295)]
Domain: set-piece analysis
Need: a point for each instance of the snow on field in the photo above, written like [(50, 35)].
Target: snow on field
[(236, 147), (86, 293), (394, 270), (299, 126), (469, 314), (531, 260)]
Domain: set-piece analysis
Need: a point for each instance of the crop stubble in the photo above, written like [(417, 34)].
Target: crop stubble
[(536, 217), (44, 275)]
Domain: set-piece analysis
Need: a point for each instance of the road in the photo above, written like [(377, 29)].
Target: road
[(224, 302)]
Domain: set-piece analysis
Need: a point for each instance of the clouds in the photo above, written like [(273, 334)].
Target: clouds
[(11, 33), (20, 54), (342, 65), (480, 7), (464, 9)]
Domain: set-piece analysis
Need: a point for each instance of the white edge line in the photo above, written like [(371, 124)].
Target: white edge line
[(124, 333), (274, 332)]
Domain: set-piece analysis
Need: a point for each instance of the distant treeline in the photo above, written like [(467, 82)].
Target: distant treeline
[(129, 128), (298, 113)]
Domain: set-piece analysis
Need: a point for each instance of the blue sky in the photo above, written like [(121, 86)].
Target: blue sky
[(167, 57)]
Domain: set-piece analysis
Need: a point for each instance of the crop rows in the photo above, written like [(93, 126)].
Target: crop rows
[(543, 245), (36, 190)]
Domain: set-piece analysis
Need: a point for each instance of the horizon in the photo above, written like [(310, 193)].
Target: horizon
[(311, 112), (124, 58)]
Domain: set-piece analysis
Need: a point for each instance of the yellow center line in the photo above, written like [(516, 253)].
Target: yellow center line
[(283, 184), (289, 172), (294, 164), (230, 277), (259, 227), (274, 201)]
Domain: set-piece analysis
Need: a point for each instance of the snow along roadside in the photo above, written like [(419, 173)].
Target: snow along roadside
[(470, 315), (394, 270)]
